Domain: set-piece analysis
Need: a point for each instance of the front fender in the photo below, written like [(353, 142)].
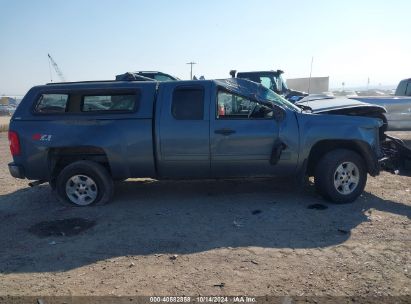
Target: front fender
[(320, 133)]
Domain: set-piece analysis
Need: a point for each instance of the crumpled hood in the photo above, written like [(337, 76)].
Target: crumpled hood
[(327, 104)]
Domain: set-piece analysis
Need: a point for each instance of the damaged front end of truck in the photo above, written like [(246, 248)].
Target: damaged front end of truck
[(395, 155), (392, 153)]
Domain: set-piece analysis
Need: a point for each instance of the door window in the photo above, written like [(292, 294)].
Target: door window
[(188, 104), (232, 106)]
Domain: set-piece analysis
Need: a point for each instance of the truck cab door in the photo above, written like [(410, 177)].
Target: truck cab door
[(243, 134), (182, 129)]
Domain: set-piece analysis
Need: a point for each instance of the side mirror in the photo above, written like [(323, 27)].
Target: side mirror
[(232, 73)]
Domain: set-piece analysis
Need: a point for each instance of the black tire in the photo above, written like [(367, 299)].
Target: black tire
[(326, 176), (90, 172)]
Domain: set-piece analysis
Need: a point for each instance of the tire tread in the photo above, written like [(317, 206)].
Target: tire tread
[(326, 168), (91, 168)]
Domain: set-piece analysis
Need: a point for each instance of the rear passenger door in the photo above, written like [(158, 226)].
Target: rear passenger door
[(182, 130)]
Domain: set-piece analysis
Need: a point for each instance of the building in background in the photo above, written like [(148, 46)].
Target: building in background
[(316, 85), (8, 101)]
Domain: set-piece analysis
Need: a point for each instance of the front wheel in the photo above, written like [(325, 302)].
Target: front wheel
[(84, 183), (340, 176)]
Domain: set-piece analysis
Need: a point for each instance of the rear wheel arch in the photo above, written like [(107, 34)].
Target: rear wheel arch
[(322, 147), (59, 158)]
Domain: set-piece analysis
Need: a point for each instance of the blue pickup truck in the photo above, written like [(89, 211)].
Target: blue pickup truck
[(80, 137)]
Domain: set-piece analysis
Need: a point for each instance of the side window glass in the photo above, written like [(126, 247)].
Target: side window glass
[(232, 106), (109, 103), (266, 81), (52, 103), (408, 91), (402, 86), (188, 104)]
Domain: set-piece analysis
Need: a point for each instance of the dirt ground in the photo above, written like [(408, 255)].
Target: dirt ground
[(4, 121), (249, 237)]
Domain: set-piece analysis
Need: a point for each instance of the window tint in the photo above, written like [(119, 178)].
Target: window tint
[(188, 104), (232, 106), (109, 103), (52, 103)]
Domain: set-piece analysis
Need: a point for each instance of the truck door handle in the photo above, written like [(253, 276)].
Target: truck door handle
[(224, 132)]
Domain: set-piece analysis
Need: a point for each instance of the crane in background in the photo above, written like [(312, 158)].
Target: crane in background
[(56, 68)]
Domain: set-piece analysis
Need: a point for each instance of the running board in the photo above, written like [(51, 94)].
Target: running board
[(37, 183)]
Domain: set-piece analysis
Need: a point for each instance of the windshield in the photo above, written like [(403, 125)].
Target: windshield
[(255, 91), (277, 99), (275, 83)]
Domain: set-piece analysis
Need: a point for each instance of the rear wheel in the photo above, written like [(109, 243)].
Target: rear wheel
[(84, 183), (340, 176)]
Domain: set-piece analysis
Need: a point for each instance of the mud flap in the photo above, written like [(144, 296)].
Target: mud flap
[(396, 156)]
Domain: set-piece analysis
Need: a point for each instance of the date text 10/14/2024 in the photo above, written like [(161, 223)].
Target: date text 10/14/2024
[(203, 299)]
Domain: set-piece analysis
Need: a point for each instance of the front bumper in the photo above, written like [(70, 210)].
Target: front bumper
[(16, 171), (396, 156)]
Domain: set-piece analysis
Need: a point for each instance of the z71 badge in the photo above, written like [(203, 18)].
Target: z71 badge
[(41, 137)]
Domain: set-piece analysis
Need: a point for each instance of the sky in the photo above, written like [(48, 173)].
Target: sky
[(349, 41)]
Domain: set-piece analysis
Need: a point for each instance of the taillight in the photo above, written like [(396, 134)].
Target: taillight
[(14, 143)]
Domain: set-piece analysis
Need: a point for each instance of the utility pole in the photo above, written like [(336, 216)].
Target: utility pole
[(191, 68)]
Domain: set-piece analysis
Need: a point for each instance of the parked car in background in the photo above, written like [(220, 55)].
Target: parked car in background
[(375, 92), (404, 88), (398, 107), (6, 110), (146, 76), (398, 110), (347, 93)]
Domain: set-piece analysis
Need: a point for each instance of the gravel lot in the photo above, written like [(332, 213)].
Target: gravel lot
[(4, 121), (253, 237)]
